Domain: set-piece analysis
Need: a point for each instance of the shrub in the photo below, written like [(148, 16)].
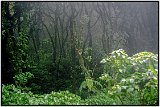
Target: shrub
[(127, 81), (22, 78), (14, 96), (99, 99), (55, 98), (140, 88), (115, 64), (134, 79)]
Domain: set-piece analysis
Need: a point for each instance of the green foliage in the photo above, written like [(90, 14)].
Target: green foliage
[(99, 99), (63, 53), (106, 80), (22, 78), (91, 85), (140, 86), (135, 82), (114, 63), (136, 77), (19, 55), (14, 96), (58, 75), (118, 65), (55, 98), (87, 53), (42, 80)]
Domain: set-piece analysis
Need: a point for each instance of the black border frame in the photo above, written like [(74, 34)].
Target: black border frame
[(90, 1)]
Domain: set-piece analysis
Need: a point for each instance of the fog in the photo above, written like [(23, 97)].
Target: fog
[(132, 26)]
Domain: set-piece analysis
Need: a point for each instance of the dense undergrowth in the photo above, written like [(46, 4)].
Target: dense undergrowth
[(125, 81)]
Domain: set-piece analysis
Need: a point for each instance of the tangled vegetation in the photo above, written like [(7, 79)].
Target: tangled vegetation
[(133, 81), (79, 53)]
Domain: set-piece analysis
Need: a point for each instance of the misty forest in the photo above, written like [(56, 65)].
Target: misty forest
[(79, 53)]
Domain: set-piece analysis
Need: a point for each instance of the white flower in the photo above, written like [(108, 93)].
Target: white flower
[(103, 61)]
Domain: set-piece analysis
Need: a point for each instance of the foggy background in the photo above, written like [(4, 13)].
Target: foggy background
[(106, 26)]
